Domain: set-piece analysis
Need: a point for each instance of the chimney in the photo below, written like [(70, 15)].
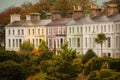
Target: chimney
[(94, 10), (28, 18), (112, 9), (14, 17), (35, 17), (48, 15), (78, 12), (56, 15)]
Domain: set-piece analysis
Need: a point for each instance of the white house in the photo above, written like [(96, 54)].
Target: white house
[(82, 31)]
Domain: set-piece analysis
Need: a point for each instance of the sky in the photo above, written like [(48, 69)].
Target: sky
[(4, 4)]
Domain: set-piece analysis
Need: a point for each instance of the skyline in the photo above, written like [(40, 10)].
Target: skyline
[(5, 4)]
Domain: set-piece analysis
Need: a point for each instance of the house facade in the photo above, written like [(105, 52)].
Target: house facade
[(82, 31), (33, 30), (56, 31)]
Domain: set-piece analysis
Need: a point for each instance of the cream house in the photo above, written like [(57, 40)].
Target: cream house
[(18, 31)]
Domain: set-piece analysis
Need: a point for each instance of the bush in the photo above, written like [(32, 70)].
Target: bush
[(96, 64), (114, 64), (105, 73)]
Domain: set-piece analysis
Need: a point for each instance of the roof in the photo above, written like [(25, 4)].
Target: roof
[(59, 22), (101, 19), (83, 20), (29, 23), (115, 17)]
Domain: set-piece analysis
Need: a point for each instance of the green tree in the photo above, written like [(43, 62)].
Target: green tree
[(45, 53), (64, 6), (63, 66), (89, 54), (10, 70), (100, 39), (26, 47)]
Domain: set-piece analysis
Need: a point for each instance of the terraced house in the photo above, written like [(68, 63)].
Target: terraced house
[(79, 31)]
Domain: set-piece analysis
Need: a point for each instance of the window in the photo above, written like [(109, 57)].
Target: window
[(13, 31), (13, 43), (42, 31), (109, 55), (22, 32), (86, 29), (37, 42), (77, 29), (38, 31), (73, 29), (16, 42), (49, 31), (89, 28), (69, 30), (109, 42), (101, 28), (18, 32), (20, 42), (93, 29), (105, 28), (78, 42), (28, 31), (61, 41), (81, 30), (86, 42), (9, 32), (109, 28), (33, 31), (50, 43), (33, 43), (9, 43), (58, 43)]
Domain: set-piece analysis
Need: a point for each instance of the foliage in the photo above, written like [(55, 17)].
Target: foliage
[(64, 6), (100, 39), (40, 76), (89, 54), (114, 64), (45, 53), (93, 76), (10, 70), (62, 66), (26, 47), (96, 64)]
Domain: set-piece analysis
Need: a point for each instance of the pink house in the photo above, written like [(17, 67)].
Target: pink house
[(56, 31)]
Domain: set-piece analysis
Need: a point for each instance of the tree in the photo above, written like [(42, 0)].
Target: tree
[(64, 6), (10, 70), (100, 39), (45, 53), (63, 65), (26, 47), (89, 54)]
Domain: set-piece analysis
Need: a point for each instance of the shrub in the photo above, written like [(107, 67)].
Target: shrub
[(89, 54)]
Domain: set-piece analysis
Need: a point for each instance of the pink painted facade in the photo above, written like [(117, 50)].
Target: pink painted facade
[(56, 33)]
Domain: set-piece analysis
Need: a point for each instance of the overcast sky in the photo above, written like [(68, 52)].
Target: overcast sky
[(4, 4)]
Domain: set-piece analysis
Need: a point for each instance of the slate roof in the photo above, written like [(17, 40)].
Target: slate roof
[(101, 19), (29, 23), (83, 20), (115, 17), (59, 22)]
